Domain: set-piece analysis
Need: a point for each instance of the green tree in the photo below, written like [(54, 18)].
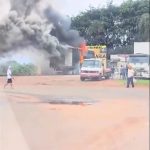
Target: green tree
[(143, 28), (18, 69), (117, 27)]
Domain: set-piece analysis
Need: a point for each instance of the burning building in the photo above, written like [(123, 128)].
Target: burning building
[(32, 25)]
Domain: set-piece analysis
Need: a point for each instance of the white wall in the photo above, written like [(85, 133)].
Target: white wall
[(141, 47), (68, 58)]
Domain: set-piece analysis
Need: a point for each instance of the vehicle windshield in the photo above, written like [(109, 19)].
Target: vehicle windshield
[(139, 59), (90, 54), (91, 63)]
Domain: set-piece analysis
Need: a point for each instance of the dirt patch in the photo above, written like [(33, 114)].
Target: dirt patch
[(118, 118)]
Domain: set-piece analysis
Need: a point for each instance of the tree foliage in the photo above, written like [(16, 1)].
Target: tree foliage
[(116, 26), (143, 28), (18, 69)]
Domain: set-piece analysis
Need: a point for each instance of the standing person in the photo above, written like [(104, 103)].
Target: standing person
[(121, 72), (9, 77), (124, 73), (130, 76), (112, 71)]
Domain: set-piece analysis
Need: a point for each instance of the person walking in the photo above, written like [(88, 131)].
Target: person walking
[(9, 78), (130, 76)]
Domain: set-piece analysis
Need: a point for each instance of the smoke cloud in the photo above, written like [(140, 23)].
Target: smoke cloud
[(28, 26)]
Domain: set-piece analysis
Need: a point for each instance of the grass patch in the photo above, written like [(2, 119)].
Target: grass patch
[(141, 82)]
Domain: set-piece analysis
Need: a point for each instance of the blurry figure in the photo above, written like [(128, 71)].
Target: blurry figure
[(130, 76), (112, 72), (9, 77), (121, 72), (124, 73)]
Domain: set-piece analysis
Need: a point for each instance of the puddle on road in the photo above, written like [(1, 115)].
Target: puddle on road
[(67, 100), (25, 99)]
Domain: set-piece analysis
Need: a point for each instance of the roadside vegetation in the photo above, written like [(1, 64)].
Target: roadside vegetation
[(143, 82), (117, 27), (139, 82), (18, 69)]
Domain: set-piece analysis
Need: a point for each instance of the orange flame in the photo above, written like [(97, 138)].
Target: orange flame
[(83, 50), (83, 47)]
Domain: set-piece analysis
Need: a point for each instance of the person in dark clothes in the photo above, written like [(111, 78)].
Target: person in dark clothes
[(112, 71)]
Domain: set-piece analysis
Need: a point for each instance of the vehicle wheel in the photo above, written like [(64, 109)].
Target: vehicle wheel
[(107, 77), (82, 79), (94, 79), (99, 78)]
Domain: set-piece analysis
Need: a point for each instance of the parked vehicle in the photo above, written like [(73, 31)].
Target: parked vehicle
[(140, 60), (94, 68)]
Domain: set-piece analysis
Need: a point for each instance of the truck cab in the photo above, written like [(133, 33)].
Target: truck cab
[(94, 68), (140, 63)]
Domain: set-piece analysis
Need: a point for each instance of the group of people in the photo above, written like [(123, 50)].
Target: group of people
[(126, 73), (123, 72)]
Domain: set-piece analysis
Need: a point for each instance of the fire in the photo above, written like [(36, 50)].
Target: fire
[(83, 47), (83, 51)]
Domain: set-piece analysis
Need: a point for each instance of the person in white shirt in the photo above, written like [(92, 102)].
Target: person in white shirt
[(9, 77), (130, 76)]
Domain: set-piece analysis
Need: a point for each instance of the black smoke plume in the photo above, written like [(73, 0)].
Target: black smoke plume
[(50, 32)]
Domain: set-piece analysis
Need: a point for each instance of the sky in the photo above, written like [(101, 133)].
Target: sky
[(66, 7), (74, 7)]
